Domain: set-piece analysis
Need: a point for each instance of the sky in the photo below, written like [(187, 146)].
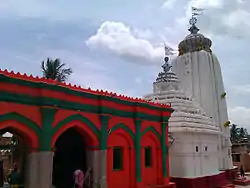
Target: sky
[(118, 45)]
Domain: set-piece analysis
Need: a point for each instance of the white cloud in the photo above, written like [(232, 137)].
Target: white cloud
[(121, 40), (169, 4), (207, 3), (244, 89), (143, 34), (240, 116), (237, 18)]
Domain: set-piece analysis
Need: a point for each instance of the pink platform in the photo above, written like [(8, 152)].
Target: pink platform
[(170, 185), (224, 179), (243, 182)]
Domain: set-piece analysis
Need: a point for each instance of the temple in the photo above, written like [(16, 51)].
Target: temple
[(193, 151), (199, 137), (116, 140), (200, 76)]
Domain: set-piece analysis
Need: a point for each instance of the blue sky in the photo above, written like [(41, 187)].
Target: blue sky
[(117, 45)]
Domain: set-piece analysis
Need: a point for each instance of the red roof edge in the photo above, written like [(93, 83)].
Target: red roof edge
[(37, 79)]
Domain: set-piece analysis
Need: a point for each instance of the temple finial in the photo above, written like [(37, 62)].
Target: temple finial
[(168, 51), (195, 12)]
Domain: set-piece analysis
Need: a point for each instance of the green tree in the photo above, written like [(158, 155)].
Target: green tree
[(234, 133), (55, 70), (238, 134), (243, 133)]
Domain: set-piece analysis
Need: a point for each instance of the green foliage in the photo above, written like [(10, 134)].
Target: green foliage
[(55, 70), (243, 133), (227, 124), (223, 95), (238, 134)]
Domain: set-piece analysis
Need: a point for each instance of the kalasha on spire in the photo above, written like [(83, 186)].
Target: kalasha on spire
[(195, 41), (36, 79), (193, 29)]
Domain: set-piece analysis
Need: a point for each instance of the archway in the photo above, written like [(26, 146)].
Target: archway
[(14, 150), (70, 154), (25, 133)]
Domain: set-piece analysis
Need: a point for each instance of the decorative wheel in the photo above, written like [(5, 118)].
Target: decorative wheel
[(193, 21)]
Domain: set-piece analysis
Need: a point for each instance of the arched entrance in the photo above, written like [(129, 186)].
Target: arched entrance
[(14, 151), (70, 154), (26, 139)]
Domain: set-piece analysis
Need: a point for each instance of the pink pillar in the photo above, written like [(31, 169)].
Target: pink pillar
[(97, 159), (32, 170), (45, 169)]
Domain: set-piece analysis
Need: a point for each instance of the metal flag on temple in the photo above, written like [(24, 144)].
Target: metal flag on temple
[(197, 11), (194, 9), (168, 50)]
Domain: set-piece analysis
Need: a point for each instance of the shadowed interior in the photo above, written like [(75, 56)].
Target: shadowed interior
[(70, 155)]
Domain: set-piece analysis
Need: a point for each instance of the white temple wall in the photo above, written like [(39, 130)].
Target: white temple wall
[(197, 79), (226, 159), (186, 161), (200, 76)]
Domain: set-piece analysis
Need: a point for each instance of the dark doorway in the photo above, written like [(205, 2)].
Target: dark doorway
[(16, 147), (69, 156)]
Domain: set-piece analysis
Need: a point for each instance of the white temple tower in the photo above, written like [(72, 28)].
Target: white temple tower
[(200, 76), (193, 150)]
